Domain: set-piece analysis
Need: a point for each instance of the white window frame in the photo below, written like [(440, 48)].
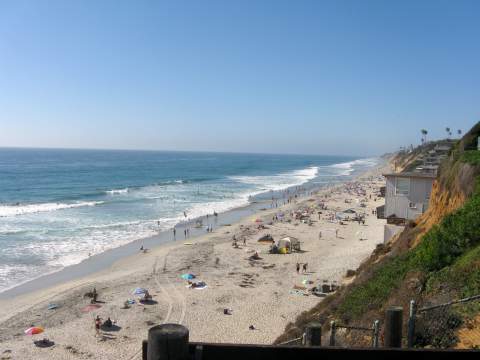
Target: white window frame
[(396, 186)]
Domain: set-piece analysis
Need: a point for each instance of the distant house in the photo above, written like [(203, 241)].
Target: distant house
[(407, 197)]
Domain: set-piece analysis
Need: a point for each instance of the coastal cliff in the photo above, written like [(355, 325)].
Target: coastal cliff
[(434, 260)]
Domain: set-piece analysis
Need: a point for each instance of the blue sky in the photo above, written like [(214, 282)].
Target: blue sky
[(322, 77)]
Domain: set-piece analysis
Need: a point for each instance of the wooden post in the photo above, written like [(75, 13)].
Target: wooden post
[(198, 352), (333, 330), (376, 333), (144, 349), (168, 342), (393, 327), (313, 334), (411, 323)]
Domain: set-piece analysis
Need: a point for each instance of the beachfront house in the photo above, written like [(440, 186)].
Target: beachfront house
[(407, 197)]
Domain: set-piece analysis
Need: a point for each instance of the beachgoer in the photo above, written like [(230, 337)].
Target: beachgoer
[(108, 323), (298, 268), (185, 233), (141, 248), (336, 233), (174, 232), (94, 295), (305, 267), (98, 324)]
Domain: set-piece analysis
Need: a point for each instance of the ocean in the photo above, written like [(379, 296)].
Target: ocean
[(58, 207)]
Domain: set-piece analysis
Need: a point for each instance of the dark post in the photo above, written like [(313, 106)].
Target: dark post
[(411, 323), (144, 349), (393, 327), (168, 342), (313, 334), (333, 330)]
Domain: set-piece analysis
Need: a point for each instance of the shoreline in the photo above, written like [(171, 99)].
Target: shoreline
[(106, 259), (259, 292)]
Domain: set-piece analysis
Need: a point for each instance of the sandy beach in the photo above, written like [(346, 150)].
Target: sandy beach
[(266, 293)]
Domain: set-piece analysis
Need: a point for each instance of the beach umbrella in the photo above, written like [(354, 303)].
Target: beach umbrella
[(187, 276), (34, 330), (139, 291), (91, 307)]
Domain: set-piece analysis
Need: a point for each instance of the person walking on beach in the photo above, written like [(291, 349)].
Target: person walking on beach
[(305, 267), (336, 233), (94, 295), (185, 233), (98, 324), (298, 268), (174, 232), (319, 235)]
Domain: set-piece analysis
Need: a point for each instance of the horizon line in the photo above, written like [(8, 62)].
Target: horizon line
[(182, 151)]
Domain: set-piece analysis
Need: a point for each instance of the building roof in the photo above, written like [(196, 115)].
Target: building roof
[(412, 175)]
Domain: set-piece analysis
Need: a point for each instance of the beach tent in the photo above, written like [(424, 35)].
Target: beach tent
[(289, 243), (350, 211)]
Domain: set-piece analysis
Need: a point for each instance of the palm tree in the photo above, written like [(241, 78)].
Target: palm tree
[(447, 129), (424, 135)]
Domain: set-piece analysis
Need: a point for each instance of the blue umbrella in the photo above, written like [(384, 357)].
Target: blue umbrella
[(139, 291), (188, 276)]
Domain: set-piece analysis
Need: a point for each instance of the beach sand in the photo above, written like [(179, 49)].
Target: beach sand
[(259, 293)]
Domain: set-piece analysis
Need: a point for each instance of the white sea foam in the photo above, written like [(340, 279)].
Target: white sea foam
[(261, 184), (117, 191), (280, 181), (14, 210), (202, 209), (348, 167)]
